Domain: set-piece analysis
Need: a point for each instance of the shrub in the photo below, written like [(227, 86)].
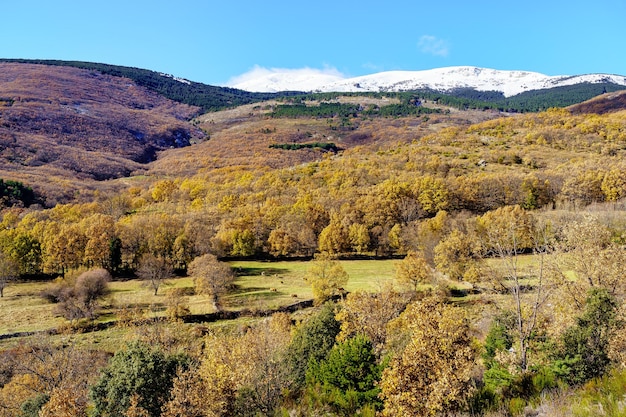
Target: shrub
[(311, 342), (584, 353), (139, 372), (347, 378), (80, 299)]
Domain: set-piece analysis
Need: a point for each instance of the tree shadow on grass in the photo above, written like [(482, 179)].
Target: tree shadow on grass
[(257, 271), (253, 297), (238, 290)]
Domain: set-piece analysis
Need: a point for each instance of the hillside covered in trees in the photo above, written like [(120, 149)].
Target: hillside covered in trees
[(168, 290)]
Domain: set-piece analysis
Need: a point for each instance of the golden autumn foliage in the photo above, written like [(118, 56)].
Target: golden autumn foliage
[(369, 313), (442, 192), (367, 199), (432, 375), (327, 278), (414, 271), (587, 251), (236, 373)]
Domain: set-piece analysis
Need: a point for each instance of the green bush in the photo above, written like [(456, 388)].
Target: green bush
[(32, 406), (347, 378), (584, 353), (139, 370), (516, 406), (311, 343), (602, 396), (327, 146)]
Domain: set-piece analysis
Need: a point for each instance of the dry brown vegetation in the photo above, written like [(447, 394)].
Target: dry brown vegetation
[(61, 128), (605, 103)]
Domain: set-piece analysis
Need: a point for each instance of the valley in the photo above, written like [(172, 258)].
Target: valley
[(432, 241)]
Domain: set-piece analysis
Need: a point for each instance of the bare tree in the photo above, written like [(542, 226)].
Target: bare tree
[(154, 271), (507, 233)]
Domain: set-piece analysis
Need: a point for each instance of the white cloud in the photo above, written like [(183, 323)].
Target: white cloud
[(273, 79), (432, 45)]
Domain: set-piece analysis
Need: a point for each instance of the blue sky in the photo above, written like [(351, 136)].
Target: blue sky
[(212, 41)]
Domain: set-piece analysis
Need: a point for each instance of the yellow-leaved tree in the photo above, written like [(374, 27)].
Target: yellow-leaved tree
[(365, 313), (327, 278), (414, 270), (432, 375)]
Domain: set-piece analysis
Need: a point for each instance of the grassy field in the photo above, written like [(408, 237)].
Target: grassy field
[(259, 286), (23, 310), (272, 284)]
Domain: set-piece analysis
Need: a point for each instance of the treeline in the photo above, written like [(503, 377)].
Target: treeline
[(410, 106), (529, 101), (207, 97), (467, 98), (326, 146), (323, 110), (540, 100), (399, 110)]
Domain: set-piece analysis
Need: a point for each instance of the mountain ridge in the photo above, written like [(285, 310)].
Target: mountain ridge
[(445, 79), (203, 96)]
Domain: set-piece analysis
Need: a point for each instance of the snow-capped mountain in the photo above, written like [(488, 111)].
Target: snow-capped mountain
[(509, 83)]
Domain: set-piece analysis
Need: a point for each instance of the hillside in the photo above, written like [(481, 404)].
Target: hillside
[(61, 127), (65, 131), (605, 103), (241, 138), (205, 97)]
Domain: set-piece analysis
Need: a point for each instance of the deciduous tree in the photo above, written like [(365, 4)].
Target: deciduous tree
[(414, 271), (211, 277), (334, 238), (586, 250), (80, 300), (433, 374), (326, 277), (8, 271), (369, 313), (455, 254), (506, 233), (359, 237), (155, 271), (99, 233)]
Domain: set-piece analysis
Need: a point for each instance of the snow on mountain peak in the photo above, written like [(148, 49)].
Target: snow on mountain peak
[(281, 79), (442, 79)]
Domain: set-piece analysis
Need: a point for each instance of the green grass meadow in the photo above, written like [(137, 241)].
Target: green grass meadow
[(259, 286)]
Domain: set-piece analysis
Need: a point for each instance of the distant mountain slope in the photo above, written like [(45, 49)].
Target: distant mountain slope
[(206, 97), (61, 126), (509, 83), (605, 103)]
